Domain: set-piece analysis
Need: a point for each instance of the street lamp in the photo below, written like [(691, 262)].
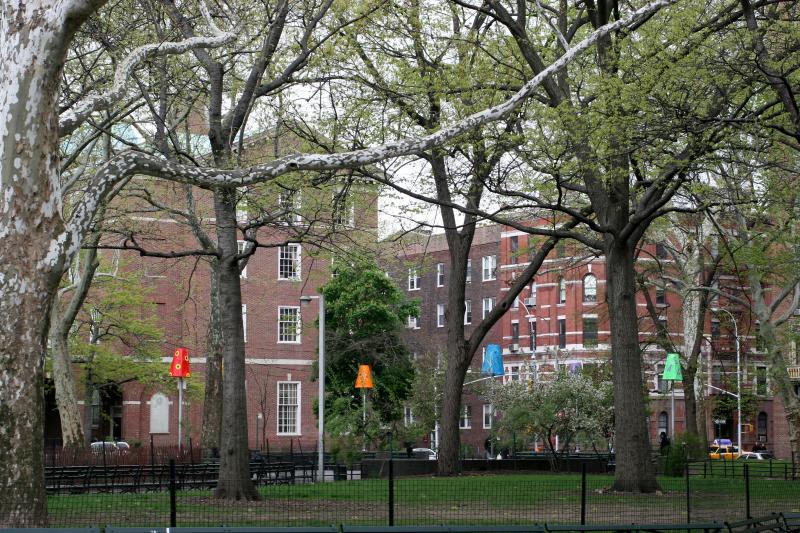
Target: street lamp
[(531, 341), (321, 402), (738, 394)]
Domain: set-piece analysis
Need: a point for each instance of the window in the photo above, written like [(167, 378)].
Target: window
[(240, 246), (413, 279), (532, 328), (469, 270), (589, 288), (589, 332), (663, 325), (440, 274), (159, 413), (661, 251), (288, 408), (533, 294), (514, 248), (439, 315), (511, 373), (343, 207), (562, 332), (661, 385), (661, 296), (663, 423), (761, 427), (244, 321), (488, 305), (289, 204), (515, 332), (465, 422), (467, 312), (761, 381), (289, 262), (289, 324), (408, 416), (715, 329), (489, 266), (716, 375), (488, 415), (242, 211), (413, 322), (562, 291)]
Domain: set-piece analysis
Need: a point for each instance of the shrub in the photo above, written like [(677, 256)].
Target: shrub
[(685, 445)]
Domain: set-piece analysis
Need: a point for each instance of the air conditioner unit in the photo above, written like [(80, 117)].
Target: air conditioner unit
[(513, 348), (530, 302)]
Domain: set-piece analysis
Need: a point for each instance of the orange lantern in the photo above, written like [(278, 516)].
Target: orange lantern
[(180, 364), (364, 379)]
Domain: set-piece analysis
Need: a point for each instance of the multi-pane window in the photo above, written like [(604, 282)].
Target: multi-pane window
[(661, 296), (439, 315), (761, 381), (489, 267), (469, 270), (289, 262), (590, 288), (562, 291), (663, 325), (244, 321), (467, 311), (515, 332), (488, 415), (663, 423), (514, 248), (343, 207), (661, 251), (715, 329), (562, 332), (240, 246), (413, 322), (661, 384), (512, 373), (289, 204), (288, 324), (589, 332), (408, 416), (440, 274), (532, 329), (761, 427), (532, 299), (288, 408), (413, 279), (488, 304), (465, 422)]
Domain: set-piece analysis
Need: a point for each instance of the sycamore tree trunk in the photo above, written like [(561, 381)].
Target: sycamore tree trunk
[(212, 405), (33, 44), (234, 469), (66, 398), (634, 468)]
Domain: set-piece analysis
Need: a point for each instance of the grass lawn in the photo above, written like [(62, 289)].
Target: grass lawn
[(471, 499)]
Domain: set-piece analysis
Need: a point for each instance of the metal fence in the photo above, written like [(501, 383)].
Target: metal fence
[(180, 496)]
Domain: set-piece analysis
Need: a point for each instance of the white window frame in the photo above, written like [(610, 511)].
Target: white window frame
[(408, 416), (297, 405), (440, 274), (587, 296), (240, 246), (244, 321), (489, 268), (488, 414), (467, 312), (290, 255), (439, 315), (298, 323), (343, 207), (289, 200), (465, 420), (469, 270), (413, 322), (562, 291), (486, 311), (414, 280)]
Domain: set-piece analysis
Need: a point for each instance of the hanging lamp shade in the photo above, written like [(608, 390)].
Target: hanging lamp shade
[(180, 363), (364, 378)]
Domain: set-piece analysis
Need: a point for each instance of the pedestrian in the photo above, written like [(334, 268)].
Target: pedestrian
[(665, 442)]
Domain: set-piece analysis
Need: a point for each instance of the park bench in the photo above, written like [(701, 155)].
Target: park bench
[(772, 522), (52, 530), (791, 522), (300, 529)]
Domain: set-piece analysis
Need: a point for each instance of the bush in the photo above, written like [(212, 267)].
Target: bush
[(685, 445)]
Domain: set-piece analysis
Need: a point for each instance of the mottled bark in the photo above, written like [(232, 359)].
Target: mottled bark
[(234, 469), (64, 381), (634, 469), (212, 405)]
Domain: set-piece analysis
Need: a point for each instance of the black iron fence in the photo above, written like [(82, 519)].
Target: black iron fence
[(182, 495)]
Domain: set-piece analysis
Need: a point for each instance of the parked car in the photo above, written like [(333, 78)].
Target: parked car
[(756, 456), (431, 455), (723, 452), (110, 447)]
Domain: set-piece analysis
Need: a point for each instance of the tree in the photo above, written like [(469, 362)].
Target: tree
[(37, 244)]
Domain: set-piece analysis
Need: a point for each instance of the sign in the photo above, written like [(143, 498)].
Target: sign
[(493, 361), (672, 368), (364, 379), (180, 364)]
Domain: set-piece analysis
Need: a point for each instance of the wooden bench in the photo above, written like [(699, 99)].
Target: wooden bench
[(772, 522), (791, 522)]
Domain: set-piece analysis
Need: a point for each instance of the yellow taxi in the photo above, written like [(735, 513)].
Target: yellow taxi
[(723, 449)]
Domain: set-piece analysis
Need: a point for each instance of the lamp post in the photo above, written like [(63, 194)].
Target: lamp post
[(321, 378), (738, 380), (531, 342)]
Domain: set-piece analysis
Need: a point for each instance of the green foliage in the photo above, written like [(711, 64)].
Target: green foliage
[(684, 446), (365, 314)]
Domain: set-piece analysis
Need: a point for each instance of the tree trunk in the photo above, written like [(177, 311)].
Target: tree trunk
[(449, 462), (634, 468), (234, 469), (32, 49), (66, 398), (212, 406)]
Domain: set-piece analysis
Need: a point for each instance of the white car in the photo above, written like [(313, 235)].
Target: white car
[(420, 451), (756, 456)]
